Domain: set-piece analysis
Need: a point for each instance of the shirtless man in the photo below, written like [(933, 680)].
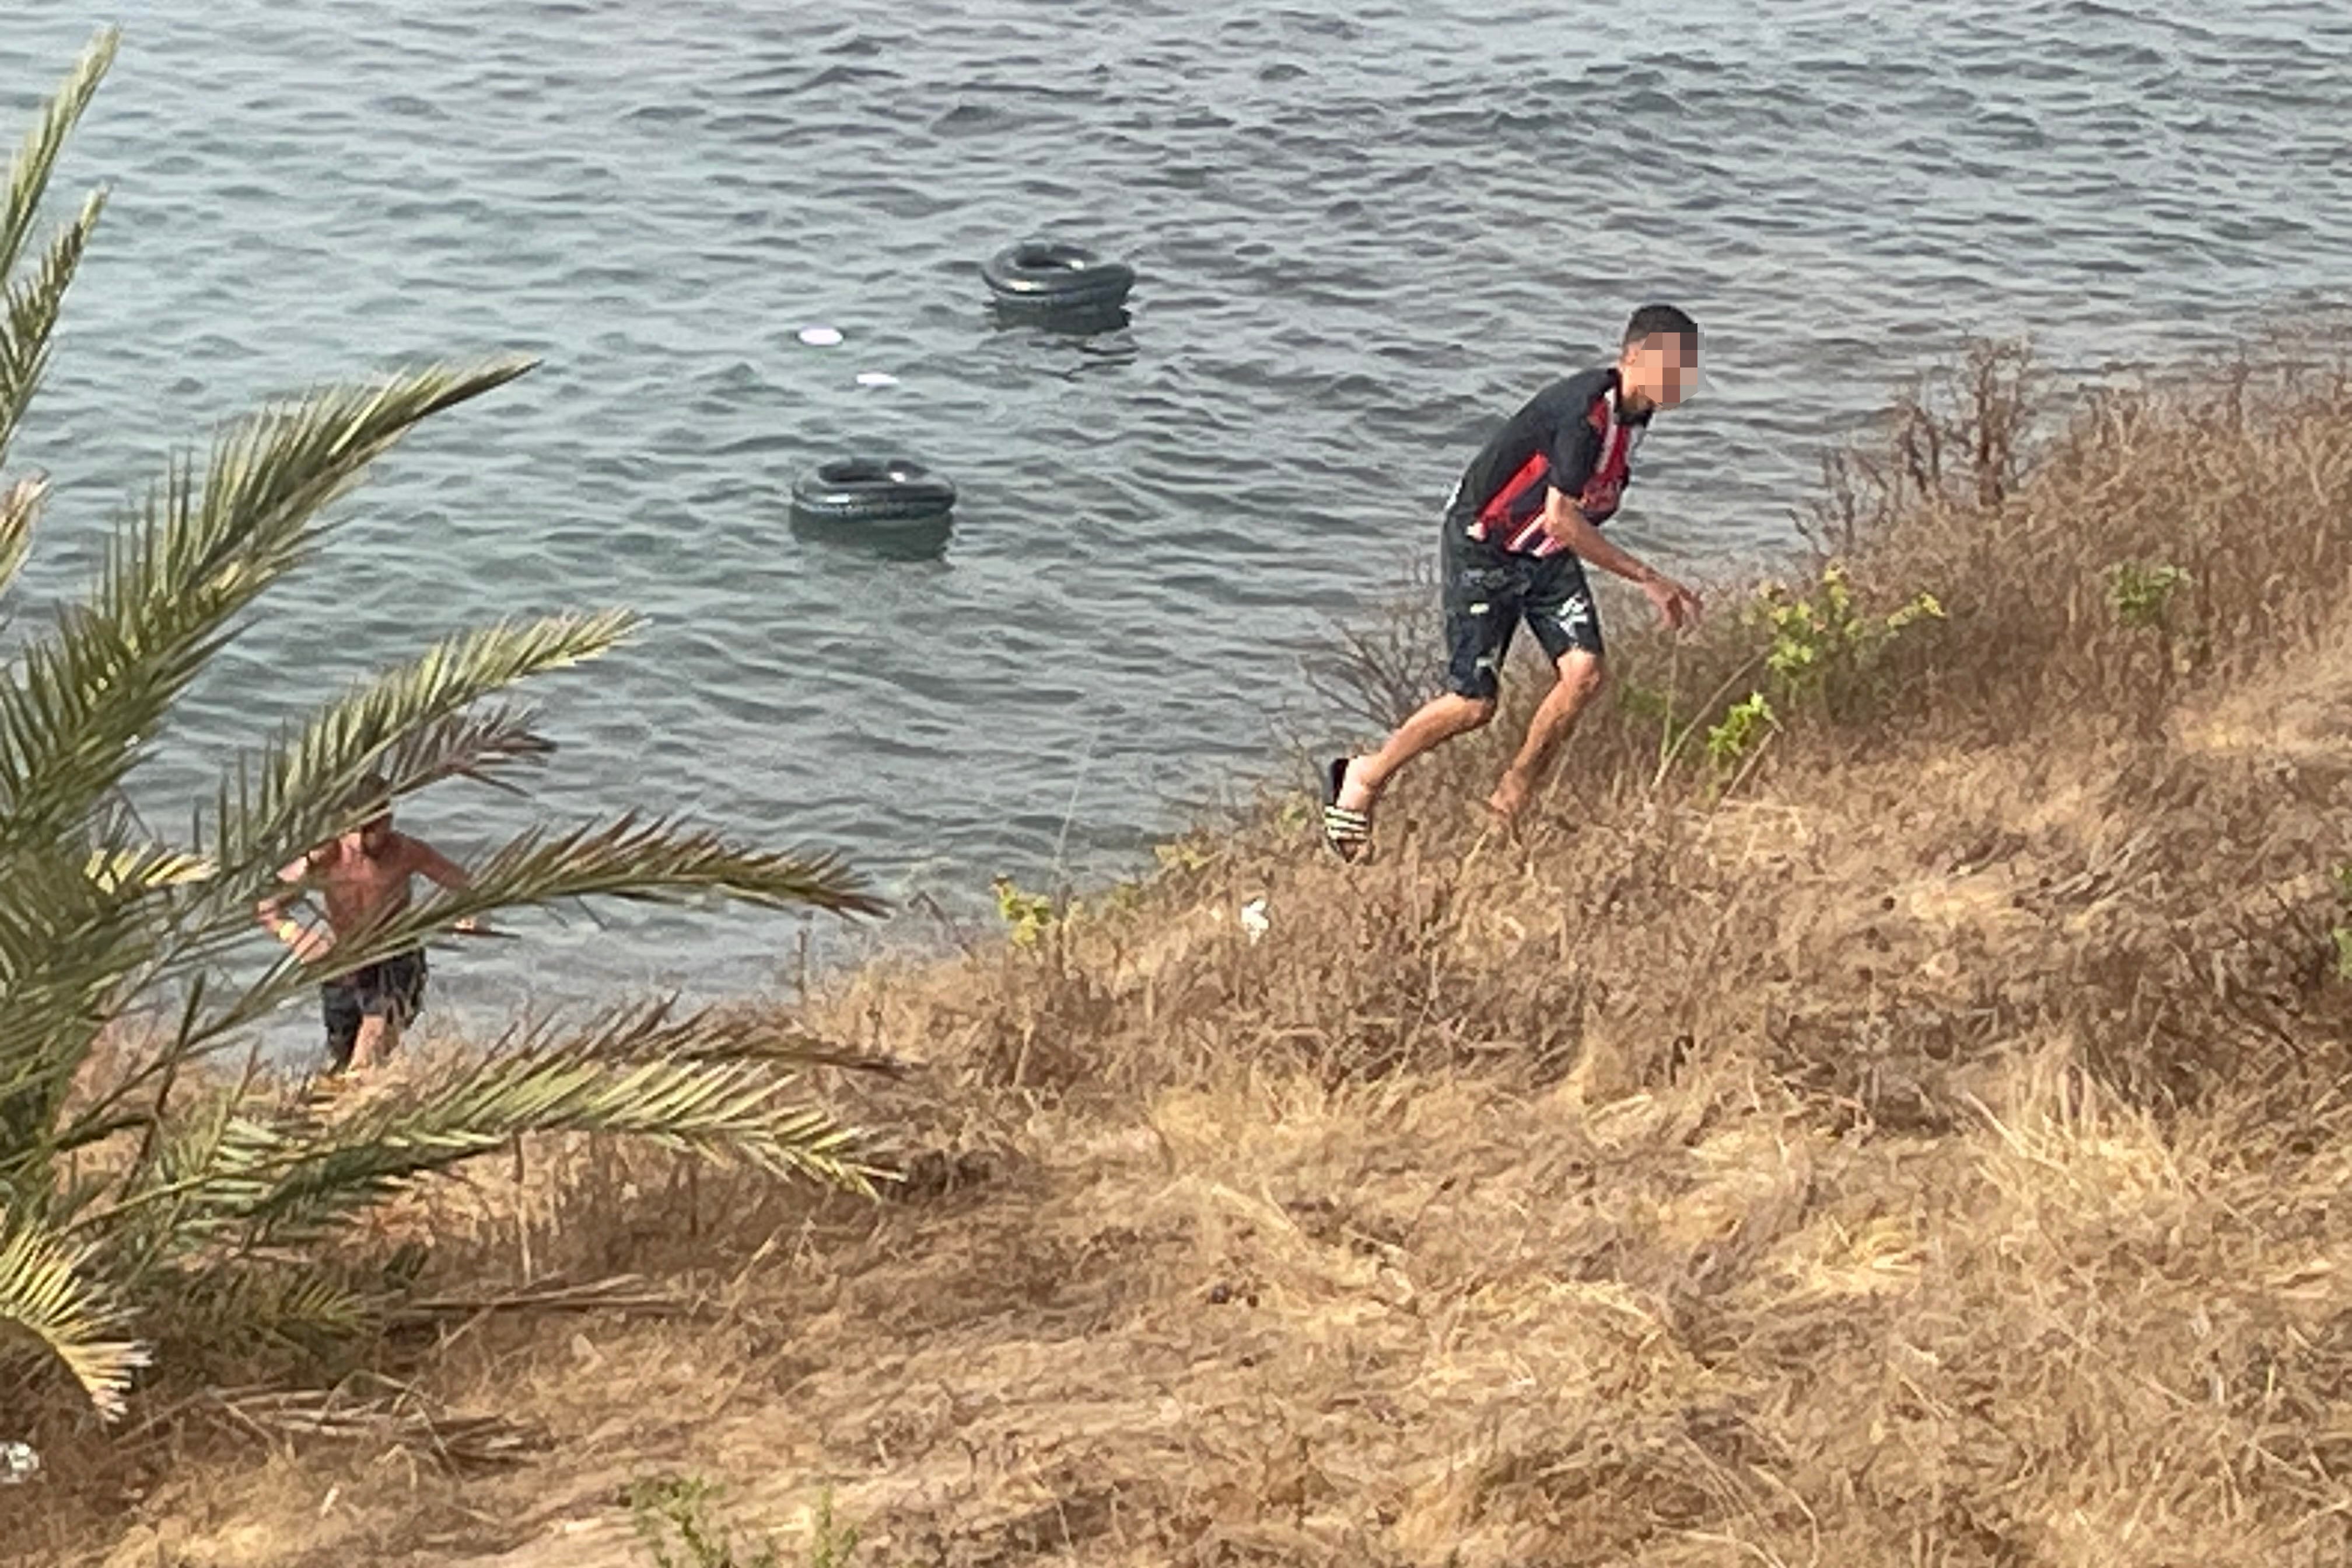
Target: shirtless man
[(363, 877)]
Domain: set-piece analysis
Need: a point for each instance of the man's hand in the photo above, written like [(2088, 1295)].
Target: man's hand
[(310, 944), (1677, 606), (306, 942)]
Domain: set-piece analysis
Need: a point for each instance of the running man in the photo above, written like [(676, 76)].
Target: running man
[(1520, 526), (363, 877)]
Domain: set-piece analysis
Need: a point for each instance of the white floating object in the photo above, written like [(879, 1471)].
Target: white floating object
[(820, 337), (876, 378)]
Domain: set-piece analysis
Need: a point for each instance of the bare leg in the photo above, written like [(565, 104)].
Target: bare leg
[(376, 1038), (1436, 721), (1580, 680)]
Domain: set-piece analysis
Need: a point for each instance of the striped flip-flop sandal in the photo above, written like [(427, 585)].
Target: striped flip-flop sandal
[(1348, 833)]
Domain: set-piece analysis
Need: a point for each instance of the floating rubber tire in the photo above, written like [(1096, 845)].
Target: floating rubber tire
[(873, 490), (1037, 275)]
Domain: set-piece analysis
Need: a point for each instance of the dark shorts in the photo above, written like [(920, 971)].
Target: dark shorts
[(391, 988), (1487, 592)]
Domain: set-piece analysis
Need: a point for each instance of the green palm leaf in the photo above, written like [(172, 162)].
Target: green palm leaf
[(287, 1176), (37, 158), (75, 712), (413, 725), (410, 723), (45, 1294), (28, 314), (132, 871), (653, 860), (642, 1031), (156, 1221), (641, 861), (101, 919), (69, 953), (305, 1305), (20, 504)]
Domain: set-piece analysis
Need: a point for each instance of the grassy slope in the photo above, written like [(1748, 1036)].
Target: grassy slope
[(1930, 1154)]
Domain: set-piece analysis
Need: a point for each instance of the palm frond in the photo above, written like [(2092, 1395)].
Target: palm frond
[(201, 1222), (69, 954), (81, 700), (399, 1418), (303, 1304), (657, 860), (629, 1293), (482, 747), (155, 1221), (46, 1293), (20, 505), (301, 795), (29, 315), (289, 1175), (78, 941), (131, 870), (644, 861), (36, 158), (647, 1030), (410, 724)]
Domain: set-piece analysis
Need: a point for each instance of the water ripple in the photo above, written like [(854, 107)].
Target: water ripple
[(1361, 238)]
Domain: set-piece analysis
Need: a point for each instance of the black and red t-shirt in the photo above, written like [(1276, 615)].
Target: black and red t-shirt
[(1571, 438)]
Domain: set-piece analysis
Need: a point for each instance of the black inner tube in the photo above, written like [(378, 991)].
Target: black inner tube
[(1042, 273), (1051, 259), (867, 471), (871, 488)]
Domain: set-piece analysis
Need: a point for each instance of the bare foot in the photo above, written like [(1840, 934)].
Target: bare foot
[(1510, 798)]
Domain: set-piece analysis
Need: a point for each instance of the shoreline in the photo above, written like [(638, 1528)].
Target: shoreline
[(1882, 1140)]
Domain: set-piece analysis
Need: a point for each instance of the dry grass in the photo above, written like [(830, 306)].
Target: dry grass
[(1928, 1153)]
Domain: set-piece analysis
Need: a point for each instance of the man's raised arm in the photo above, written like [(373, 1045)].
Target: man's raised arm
[(1565, 521)]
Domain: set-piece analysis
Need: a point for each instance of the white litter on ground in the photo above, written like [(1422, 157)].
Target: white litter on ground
[(1254, 920)]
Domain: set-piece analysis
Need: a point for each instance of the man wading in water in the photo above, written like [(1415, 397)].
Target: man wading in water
[(363, 877), (1520, 526)]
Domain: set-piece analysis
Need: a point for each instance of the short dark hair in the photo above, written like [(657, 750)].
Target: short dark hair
[(1661, 321), (371, 794)]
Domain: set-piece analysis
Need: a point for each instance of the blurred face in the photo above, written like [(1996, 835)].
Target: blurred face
[(1661, 369), (376, 833)]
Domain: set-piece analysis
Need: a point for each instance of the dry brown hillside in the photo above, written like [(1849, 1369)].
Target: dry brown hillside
[(1916, 1139)]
